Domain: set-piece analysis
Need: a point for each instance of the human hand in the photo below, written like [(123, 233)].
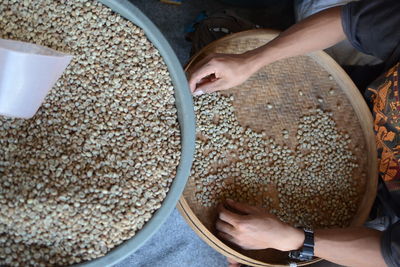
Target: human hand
[(233, 263), (253, 228), (219, 72)]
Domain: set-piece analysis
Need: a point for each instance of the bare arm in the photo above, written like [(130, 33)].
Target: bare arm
[(316, 32), (253, 228), (223, 71), (357, 246)]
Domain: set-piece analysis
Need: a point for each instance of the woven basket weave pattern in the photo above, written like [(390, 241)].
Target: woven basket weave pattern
[(279, 85)]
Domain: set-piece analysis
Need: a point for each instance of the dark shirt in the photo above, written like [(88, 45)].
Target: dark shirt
[(373, 27)]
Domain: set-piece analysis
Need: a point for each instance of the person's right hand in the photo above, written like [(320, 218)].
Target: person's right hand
[(254, 228), (218, 72)]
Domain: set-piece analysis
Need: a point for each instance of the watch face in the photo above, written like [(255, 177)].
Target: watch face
[(307, 252), (295, 254), (298, 255)]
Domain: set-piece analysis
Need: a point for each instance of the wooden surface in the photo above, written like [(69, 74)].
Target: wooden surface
[(317, 76)]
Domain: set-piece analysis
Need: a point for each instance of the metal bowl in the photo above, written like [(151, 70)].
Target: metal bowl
[(184, 105)]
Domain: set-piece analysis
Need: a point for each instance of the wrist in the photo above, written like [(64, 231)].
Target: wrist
[(248, 64), (296, 239), (260, 57)]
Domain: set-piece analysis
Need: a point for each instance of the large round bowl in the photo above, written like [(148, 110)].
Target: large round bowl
[(184, 105)]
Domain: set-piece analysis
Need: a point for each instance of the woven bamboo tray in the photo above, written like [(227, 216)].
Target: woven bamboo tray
[(316, 75)]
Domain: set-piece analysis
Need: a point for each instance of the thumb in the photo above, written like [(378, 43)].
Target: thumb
[(209, 87), (244, 208), (197, 76)]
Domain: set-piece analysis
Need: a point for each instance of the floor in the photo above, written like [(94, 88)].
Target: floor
[(173, 19), (175, 244)]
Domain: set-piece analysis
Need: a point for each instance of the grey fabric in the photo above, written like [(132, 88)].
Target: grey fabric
[(343, 53), (174, 245), (306, 8), (372, 27)]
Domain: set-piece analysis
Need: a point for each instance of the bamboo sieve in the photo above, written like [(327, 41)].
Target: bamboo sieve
[(316, 75)]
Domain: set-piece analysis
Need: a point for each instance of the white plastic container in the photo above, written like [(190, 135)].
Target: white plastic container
[(27, 73)]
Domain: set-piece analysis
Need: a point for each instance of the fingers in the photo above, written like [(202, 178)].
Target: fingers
[(226, 237), (208, 87), (244, 208), (205, 75), (225, 227), (228, 216), (198, 76), (204, 68), (198, 92), (232, 263)]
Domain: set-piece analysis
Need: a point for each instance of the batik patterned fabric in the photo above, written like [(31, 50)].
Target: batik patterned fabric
[(384, 96)]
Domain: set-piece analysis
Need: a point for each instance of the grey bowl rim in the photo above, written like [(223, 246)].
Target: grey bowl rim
[(186, 118)]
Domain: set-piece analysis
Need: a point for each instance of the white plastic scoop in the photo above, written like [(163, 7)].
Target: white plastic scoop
[(27, 73)]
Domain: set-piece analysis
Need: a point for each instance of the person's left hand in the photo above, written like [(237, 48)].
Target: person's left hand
[(253, 228)]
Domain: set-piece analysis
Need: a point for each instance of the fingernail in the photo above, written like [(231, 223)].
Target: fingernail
[(229, 200), (198, 92)]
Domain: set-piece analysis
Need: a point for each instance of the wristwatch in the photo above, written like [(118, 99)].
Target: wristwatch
[(307, 252)]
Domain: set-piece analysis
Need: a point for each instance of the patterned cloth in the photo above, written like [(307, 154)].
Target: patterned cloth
[(385, 99)]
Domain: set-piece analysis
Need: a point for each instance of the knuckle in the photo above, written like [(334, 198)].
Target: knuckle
[(240, 226), (213, 61), (221, 214)]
